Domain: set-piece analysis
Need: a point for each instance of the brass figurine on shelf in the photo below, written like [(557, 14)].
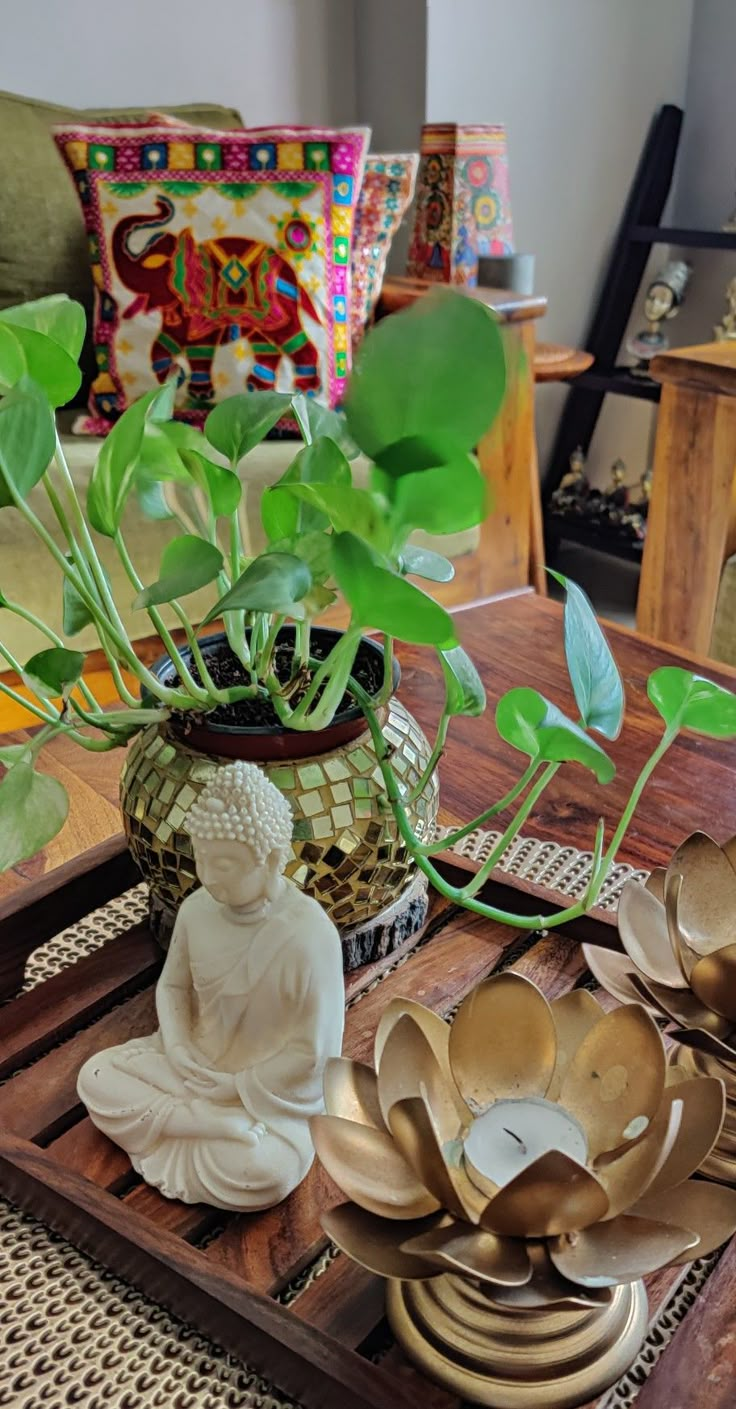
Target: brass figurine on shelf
[(514, 1176), (725, 331), (615, 515), (663, 300), (677, 931)]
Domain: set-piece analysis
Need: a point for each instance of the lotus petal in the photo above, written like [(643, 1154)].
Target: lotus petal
[(701, 1041), (367, 1166), (642, 925), (623, 1250), (703, 1104), (713, 981), (436, 1031), (574, 1014), (675, 1074), (627, 1174), (408, 1067), (503, 1042), (437, 1167), (613, 972), (684, 955), (503, 1261), (553, 1195), (708, 901), (351, 1091), (616, 1075), (548, 1288), (375, 1243), (680, 1005), (709, 1209), (655, 883)]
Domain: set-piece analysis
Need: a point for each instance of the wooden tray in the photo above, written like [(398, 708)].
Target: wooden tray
[(226, 1273)]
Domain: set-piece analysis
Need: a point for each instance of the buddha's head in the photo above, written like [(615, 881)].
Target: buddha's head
[(241, 828)]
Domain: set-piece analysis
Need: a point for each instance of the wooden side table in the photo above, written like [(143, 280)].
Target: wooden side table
[(691, 527)]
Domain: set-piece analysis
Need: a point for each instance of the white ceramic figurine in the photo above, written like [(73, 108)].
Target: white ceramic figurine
[(214, 1107)]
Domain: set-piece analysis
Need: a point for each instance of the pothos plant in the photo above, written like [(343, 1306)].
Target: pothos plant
[(427, 385)]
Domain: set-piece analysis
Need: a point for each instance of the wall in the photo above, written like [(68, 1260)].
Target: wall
[(275, 60), (576, 82), (705, 191)]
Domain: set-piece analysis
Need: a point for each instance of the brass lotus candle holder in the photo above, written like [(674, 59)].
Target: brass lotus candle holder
[(678, 931), (514, 1176)]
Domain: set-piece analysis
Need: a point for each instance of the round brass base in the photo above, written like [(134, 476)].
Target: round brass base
[(548, 1358), (720, 1164)]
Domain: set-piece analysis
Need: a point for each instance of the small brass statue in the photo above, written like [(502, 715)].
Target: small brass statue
[(725, 331), (663, 299)]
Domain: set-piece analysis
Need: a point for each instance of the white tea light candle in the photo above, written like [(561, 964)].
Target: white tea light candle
[(511, 1135)]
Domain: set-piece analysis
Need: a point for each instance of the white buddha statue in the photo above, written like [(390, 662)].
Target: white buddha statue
[(214, 1107)]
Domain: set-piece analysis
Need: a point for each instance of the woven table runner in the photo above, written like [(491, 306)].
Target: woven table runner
[(74, 1334)]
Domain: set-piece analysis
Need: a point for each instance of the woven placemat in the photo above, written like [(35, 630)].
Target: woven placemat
[(74, 1334)]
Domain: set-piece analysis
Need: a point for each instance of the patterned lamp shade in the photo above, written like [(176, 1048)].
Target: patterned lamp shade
[(462, 208)]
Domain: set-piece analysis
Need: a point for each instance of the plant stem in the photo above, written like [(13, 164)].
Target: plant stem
[(263, 664), (198, 692), (667, 739), (342, 654), (33, 620), (388, 674), (513, 828), (432, 762), (27, 704), (454, 837)]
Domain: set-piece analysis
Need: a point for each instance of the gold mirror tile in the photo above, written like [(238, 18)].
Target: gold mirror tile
[(362, 760), (311, 775), (310, 803), (341, 792), (342, 816), (336, 769), (322, 827), (284, 778)]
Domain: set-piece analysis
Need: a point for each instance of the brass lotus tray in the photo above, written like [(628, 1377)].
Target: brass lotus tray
[(268, 1286)]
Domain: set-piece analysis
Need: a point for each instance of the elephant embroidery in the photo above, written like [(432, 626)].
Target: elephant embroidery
[(214, 292)]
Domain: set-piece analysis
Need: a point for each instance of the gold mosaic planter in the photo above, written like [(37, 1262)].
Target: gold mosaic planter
[(347, 852)]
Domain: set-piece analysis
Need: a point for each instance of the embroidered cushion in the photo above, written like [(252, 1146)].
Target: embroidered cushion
[(385, 196), (225, 255)]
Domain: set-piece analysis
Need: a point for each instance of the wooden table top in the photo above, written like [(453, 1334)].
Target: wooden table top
[(513, 641)]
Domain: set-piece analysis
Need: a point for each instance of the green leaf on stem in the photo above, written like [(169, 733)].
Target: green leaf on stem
[(27, 439), (12, 753), (187, 563), (316, 420), (422, 562), (445, 499), (275, 582), (386, 601), (595, 677), (282, 516), (238, 424), (530, 723), (57, 317), (464, 691), (688, 701), (12, 360), (220, 484), (120, 458), (427, 383), (348, 510), (33, 808), (49, 365), (75, 612), (54, 672), (151, 497)]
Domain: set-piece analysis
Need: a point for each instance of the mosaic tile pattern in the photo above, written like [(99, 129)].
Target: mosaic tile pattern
[(347, 852)]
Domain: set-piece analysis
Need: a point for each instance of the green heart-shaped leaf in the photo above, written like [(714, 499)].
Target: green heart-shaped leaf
[(385, 601), (596, 682), (530, 723), (12, 360), (422, 562), (242, 422), (688, 701), (275, 582), (57, 317), (49, 365), (464, 691), (445, 499), (54, 672), (427, 383), (282, 515), (187, 563), (27, 439), (348, 510), (33, 808), (316, 420), (120, 458)]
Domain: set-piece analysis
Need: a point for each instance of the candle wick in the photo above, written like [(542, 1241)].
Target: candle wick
[(515, 1137)]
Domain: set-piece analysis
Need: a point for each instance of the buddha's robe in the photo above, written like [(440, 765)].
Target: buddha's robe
[(258, 1008)]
